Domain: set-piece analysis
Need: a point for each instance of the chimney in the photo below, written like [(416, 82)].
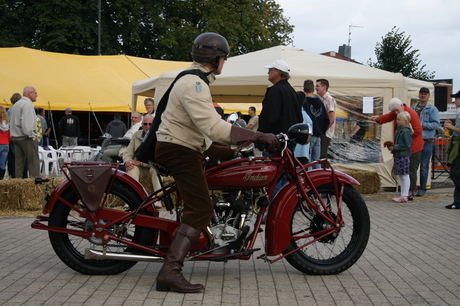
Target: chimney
[(345, 51)]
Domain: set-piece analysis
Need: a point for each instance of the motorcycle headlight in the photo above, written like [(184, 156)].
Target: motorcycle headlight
[(300, 133)]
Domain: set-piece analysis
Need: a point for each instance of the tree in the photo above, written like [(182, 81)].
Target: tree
[(15, 30), (162, 29), (66, 25), (395, 54)]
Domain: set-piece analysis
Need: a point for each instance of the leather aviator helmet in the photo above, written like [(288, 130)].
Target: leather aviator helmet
[(209, 47)]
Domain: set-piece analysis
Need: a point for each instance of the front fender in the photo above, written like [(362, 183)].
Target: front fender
[(119, 175), (278, 223)]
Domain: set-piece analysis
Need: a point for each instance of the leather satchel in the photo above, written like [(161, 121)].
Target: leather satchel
[(91, 181)]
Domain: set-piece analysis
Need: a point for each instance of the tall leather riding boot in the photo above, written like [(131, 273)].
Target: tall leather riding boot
[(2, 173), (170, 276)]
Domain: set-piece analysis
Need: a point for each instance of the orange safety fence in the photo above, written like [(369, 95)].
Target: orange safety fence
[(440, 156)]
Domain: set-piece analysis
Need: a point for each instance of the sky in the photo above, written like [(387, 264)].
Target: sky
[(433, 27)]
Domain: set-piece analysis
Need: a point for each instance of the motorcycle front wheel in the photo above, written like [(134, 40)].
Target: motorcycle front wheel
[(338, 251), (71, 249)]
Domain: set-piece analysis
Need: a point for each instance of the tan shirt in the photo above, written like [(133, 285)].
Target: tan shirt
[(255, 122), (190, 119), (130, 151)]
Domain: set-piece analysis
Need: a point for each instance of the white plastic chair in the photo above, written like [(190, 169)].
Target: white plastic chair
[(84, 153), (47, 159), (71, 154)]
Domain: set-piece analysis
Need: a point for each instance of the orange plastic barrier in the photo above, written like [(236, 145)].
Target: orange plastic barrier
[(440, 155)]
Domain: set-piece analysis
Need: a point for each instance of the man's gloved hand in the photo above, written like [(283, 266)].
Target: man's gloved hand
[(270, 140), (244, 137)]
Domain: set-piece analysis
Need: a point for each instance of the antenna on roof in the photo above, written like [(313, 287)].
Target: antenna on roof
[(349, 32)]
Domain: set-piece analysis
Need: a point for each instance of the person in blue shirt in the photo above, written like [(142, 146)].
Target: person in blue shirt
[(315, 108), (302, 152), (429, 118)]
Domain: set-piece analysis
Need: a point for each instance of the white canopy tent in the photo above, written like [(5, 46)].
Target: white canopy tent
[(243, 83)]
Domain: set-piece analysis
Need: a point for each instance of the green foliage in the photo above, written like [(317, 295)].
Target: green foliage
[(65, 25), (15, 29), (163, 29), (395, 54)]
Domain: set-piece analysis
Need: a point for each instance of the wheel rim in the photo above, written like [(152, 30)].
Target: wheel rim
[(78, 245), (335, 245)]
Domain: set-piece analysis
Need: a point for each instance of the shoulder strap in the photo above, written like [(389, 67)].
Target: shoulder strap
[(164, 100)]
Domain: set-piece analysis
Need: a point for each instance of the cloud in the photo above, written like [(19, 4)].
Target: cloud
[(433, 27)]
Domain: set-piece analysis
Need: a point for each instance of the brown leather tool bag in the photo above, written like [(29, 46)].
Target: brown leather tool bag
[(91, 182)]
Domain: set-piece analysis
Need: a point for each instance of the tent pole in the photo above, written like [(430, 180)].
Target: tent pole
[(50, 115), (89, 130), (94, 114), (128, 122)]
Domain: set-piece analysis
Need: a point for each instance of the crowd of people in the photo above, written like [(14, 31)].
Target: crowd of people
[(191, 126), (183, 132), (24, 129), (424, 122)]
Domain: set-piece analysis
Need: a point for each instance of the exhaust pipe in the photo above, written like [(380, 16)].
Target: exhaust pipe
[(93, 254)]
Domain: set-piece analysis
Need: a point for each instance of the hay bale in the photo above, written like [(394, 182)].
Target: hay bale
[(370, 181), (147, 183), (23, 194)]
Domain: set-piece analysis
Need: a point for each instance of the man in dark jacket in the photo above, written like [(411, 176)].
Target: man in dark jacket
[(317, 111), (280, 108), (116, 128), (69, 127)]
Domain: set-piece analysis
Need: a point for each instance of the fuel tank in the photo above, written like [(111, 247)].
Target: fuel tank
[(244, 173)]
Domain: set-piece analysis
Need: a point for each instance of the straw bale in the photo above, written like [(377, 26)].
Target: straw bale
[(23, 194), (370, 181), (147, 183)]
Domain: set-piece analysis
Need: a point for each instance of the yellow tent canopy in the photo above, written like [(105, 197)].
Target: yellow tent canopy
[(84, 83)]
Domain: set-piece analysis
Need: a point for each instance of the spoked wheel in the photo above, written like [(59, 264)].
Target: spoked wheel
[(333, 251), (71, 249)]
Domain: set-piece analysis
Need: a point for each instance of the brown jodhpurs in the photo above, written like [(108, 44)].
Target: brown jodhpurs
[(186, 166)]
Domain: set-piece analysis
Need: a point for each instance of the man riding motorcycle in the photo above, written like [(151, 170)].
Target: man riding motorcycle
[(189, 125)]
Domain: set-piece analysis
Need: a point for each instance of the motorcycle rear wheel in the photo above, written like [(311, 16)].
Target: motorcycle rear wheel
[(70, 249), (336, 252)]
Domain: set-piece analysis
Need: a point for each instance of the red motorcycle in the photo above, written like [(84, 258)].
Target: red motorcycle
[(102, 221)]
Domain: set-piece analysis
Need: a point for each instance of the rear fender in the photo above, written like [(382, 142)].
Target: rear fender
[(278, 223), (119, 175)]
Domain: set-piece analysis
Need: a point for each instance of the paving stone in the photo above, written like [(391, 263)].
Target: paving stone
[(411, 259)]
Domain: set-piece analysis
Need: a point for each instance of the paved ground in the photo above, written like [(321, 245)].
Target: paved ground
[(412, 259)]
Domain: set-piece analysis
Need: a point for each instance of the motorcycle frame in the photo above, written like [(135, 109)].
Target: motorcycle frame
[(280, 209)]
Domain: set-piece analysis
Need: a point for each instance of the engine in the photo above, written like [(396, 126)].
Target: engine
[(235, 214)]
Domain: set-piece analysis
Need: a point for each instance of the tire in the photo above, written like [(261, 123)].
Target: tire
[(70, 248), (336, 252)]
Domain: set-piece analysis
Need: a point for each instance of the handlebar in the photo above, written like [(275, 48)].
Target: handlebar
[(282, 138)]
